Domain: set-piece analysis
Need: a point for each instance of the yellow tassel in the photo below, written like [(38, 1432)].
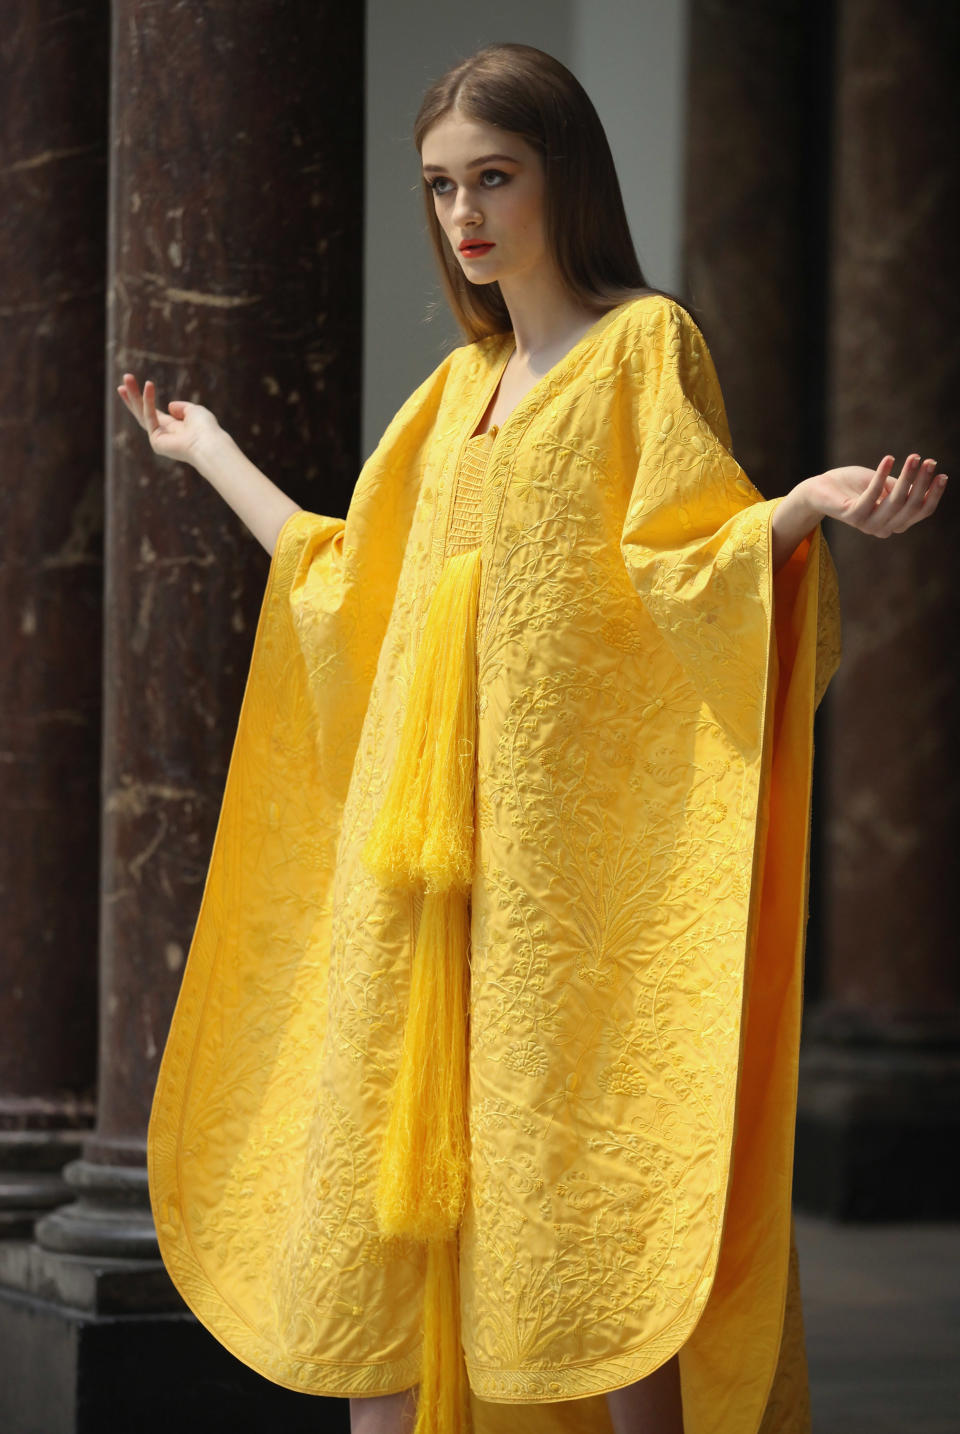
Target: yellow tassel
[(424, 837), (424, 1168), (443, 1399), (424, 832)]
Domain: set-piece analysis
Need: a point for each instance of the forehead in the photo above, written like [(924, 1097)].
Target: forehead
[(456, 140)]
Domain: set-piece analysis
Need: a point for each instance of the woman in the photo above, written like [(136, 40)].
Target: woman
[(481, 1081)]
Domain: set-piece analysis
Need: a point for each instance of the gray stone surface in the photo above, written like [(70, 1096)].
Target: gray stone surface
[(94, 1284), (881, 1313), (881, 1308)]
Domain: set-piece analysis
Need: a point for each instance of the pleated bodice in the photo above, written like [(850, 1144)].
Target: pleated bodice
[(464, 531)]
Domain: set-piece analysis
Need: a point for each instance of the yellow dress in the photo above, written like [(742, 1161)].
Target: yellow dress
[(646, 690)]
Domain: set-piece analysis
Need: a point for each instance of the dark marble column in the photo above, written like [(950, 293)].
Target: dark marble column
[(53, 182), (235, 242), (881, 1075), (233, 279), (756, 189), (755, 224)]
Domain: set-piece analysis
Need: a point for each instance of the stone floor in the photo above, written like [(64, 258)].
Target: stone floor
[(882, 1318)]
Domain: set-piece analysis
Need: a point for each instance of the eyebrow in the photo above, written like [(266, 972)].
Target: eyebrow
[(484, 159)]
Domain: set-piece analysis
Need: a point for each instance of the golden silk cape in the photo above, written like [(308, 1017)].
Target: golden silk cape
[(646, 688)]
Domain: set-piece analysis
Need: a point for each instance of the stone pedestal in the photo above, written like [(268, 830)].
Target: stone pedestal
[(875, 1125), (99, 1346)]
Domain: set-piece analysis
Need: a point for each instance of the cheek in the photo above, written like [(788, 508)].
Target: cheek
[(527, 216), (444, 221)]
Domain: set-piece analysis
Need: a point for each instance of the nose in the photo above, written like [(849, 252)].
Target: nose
[(465, 207)]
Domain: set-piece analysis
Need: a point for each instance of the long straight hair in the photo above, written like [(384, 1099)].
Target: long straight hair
[(529, 93)]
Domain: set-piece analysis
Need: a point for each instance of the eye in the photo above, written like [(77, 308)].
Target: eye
[(500, 178)]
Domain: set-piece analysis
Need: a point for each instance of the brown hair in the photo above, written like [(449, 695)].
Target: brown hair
[(528, 92)]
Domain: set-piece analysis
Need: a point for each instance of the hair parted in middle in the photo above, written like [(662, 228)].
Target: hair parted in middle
[(529, 93)]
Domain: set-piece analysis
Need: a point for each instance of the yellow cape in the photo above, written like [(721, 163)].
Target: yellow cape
[(646, 690)]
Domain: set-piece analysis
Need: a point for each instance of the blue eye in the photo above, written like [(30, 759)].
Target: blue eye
[(499, 173)]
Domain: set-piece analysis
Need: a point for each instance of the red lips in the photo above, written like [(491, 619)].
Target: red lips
[(468, 244)]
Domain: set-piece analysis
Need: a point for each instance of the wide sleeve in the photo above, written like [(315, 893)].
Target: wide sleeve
[(221, 1150), (329, 594), (758, 649), (696, 540), (341, 576)]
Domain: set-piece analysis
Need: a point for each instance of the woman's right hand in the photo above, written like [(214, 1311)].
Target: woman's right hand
[(177, 434)]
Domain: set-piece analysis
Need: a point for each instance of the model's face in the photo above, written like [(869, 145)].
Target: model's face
[(488, 184)]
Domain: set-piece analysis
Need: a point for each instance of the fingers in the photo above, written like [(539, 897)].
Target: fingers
[(879, 520), (928, 486), (907, 501), (901, 490), (887, 515), (130, 394), (923, 475), (129, 390), (866, 507), (150, 407), (144, 406)]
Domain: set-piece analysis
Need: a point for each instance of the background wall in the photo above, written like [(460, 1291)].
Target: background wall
[(629, 58)]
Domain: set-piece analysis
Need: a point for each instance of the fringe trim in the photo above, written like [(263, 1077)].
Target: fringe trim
[(423, 1175), (424, 833), (424, 837)]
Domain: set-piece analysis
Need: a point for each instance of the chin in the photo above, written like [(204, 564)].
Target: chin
[(487, 276)]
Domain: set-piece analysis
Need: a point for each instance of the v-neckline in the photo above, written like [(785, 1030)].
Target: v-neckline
[(510, 344)]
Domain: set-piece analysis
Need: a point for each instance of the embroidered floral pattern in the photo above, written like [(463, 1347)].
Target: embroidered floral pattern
[(637, 914)]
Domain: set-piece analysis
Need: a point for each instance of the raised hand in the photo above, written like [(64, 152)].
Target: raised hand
[(189, 433), (176, 434), (877, 503)]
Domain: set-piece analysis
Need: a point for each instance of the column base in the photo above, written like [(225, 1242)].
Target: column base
[(875, 1124), (31, 1178), (110, 1218), (95, 1346)]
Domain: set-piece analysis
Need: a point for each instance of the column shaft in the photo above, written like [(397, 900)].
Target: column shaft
[(53, 121), (880, 1081)]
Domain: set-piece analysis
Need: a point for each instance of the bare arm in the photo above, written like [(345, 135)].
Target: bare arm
[(256, 500), (870, 500), (794, 518), (189, 433)]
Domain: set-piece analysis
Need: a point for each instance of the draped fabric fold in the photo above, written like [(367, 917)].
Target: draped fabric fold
[(483, 1069)]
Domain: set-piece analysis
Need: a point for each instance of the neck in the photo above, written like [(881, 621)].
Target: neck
[(544, 317)]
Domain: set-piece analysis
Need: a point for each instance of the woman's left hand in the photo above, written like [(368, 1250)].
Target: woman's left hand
[(874, 501)]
